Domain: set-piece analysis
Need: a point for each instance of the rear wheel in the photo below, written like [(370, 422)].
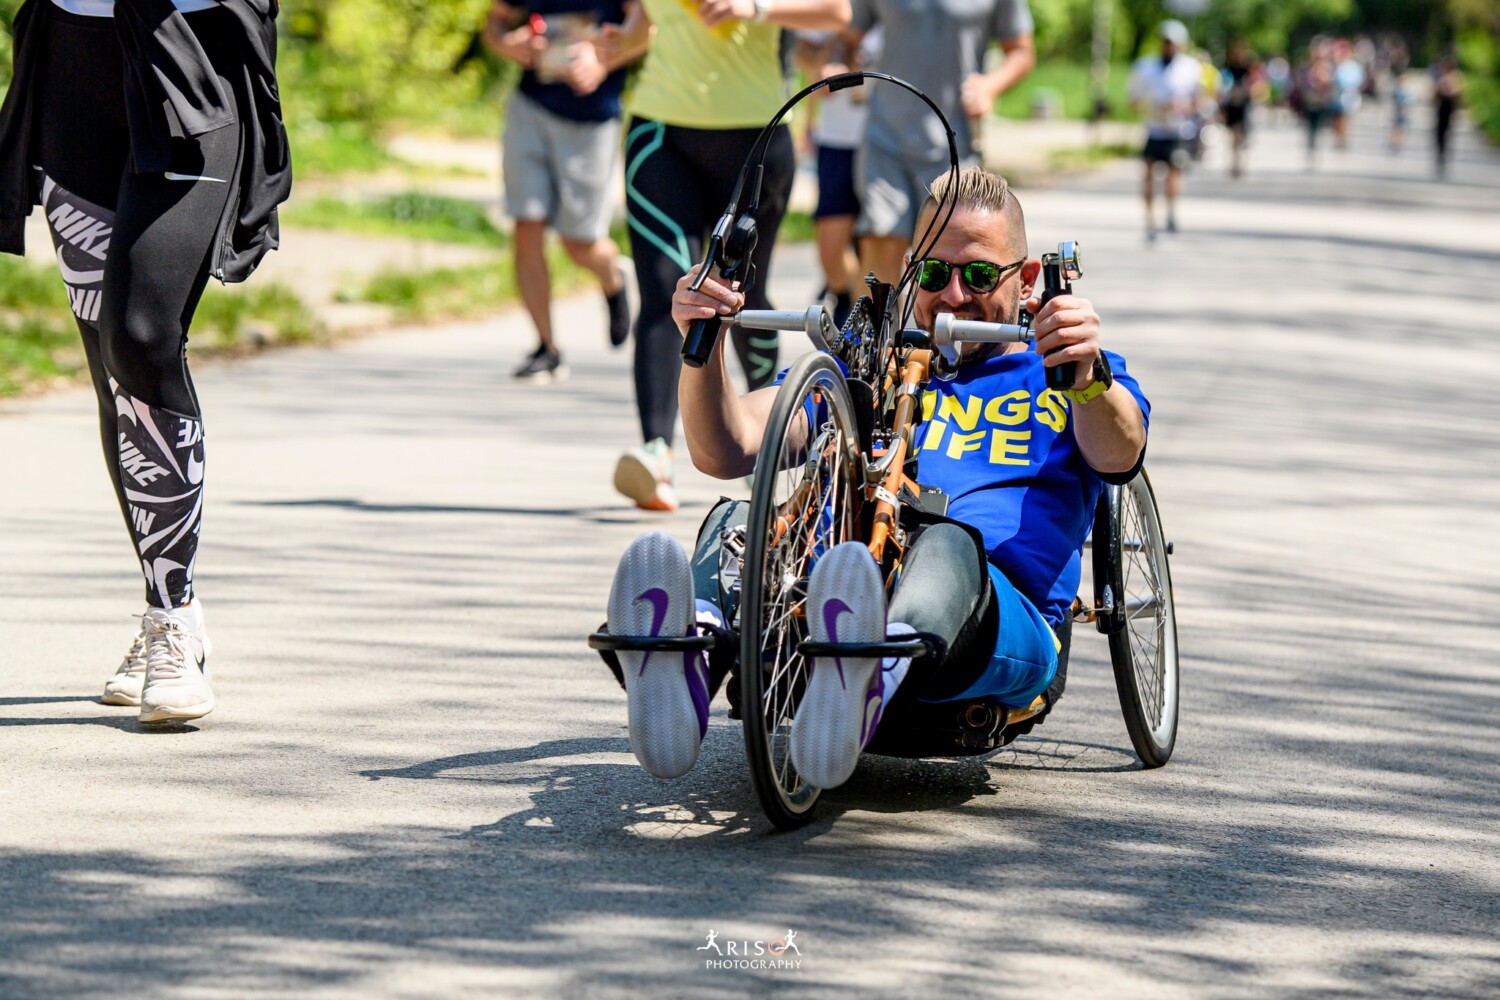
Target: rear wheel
[(1142, 621), (806, 499)]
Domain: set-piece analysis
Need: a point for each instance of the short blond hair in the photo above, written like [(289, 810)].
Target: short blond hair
[(976, 189)]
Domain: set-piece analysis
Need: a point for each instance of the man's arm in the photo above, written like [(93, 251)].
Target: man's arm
[(980, 91), (619, 45), (1013, 28), (810, 14), (614, 46), (507, 34), (723, 428), (1110, 429)]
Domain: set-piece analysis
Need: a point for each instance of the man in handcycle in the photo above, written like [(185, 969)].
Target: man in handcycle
[(989, 586)]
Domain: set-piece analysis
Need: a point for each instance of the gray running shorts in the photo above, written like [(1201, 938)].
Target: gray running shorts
[(892, 190), (558, 170)]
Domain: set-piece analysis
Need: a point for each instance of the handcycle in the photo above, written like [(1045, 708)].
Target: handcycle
[(836, 464)]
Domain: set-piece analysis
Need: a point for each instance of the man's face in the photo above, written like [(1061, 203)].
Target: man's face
[(976, 236), (1168, 49)]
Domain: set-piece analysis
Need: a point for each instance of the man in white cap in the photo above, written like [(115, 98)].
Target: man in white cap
[(1167, 88)]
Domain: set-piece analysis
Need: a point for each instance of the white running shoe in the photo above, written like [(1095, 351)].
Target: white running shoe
[(644, 474), (845, 695), (176, 687), (124, 688), (652, 595)]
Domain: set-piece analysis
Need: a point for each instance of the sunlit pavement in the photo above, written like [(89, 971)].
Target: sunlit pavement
[(418, 783)]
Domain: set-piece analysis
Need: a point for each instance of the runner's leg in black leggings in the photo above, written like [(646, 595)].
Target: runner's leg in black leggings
[(668, 209), (678, 181), (758, 350), (136, 265)]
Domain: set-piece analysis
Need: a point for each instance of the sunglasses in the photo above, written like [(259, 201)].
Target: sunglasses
[(980, 276)]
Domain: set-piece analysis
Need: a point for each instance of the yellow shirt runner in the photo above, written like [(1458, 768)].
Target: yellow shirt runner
[(727, 76)]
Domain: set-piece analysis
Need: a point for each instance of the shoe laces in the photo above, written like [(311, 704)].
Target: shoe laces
[(135, 656), (166, 648)]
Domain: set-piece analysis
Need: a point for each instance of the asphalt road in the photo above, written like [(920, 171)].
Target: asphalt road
[(418, 783)]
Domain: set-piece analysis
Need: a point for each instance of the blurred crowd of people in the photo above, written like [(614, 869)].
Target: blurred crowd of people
[(713, 72)]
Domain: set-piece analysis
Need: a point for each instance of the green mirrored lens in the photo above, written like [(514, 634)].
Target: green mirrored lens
[(981, 275), (933, 275)]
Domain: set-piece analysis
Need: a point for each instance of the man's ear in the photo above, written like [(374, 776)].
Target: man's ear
[(1029, 272)]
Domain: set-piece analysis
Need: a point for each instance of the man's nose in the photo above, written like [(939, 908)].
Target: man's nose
[(955, 292)]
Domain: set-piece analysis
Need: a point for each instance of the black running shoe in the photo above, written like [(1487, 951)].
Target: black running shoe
[(623, 305), (542, 366)]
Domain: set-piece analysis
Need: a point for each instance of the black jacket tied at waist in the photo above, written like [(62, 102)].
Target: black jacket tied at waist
[(171, 91)]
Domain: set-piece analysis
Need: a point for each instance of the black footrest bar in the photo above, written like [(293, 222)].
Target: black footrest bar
[(891, 647), (651, 643)]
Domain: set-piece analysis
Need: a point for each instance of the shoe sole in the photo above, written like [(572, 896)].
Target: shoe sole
[(545, 378), (652, 594), (634, 479), (846, 603), (158, 716)]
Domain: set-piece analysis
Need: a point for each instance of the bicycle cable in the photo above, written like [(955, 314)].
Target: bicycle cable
[(734, 236)]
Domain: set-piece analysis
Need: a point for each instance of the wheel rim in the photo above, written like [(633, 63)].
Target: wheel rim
[(1150, 620), (809, 499)]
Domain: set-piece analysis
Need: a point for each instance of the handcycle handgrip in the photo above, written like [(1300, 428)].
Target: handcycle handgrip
[(815, 321), (947, 329), (699, 343)]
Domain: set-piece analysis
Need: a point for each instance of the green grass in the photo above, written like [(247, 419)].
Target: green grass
[(245, 317), (797, 227), (40, 347), (1086, 157), (472, 290), (1068, 82), (341, 148), (412, 215)]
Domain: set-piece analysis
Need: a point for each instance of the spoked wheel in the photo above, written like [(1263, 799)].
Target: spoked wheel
[(806, 499), (1137, 593)]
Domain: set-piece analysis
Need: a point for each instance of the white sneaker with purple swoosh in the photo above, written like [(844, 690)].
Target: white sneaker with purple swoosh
[(845, 697), (652, 595)]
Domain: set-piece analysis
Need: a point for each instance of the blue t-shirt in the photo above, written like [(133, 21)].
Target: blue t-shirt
[(998, 442), (604, 103)]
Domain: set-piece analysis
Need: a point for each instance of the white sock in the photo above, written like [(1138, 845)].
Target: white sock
[(894, 668), (708, 613)]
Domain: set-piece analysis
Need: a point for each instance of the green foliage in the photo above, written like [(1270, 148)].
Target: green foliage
[(1070, 83), (350, 69), (244, 317), (1087, 157), (320, 147), (1479, 55), (445, 292), (24, 287), (8, 10), (39, 342), (1064, 30), (412, 215)]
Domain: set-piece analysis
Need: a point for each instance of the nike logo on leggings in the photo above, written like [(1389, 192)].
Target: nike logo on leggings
[(169, 175)]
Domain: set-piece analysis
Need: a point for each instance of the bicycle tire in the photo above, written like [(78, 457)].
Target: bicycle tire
[(1142, 625), (804, 501)]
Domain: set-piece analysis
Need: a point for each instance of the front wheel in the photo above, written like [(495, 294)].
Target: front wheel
[(807, 498)]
